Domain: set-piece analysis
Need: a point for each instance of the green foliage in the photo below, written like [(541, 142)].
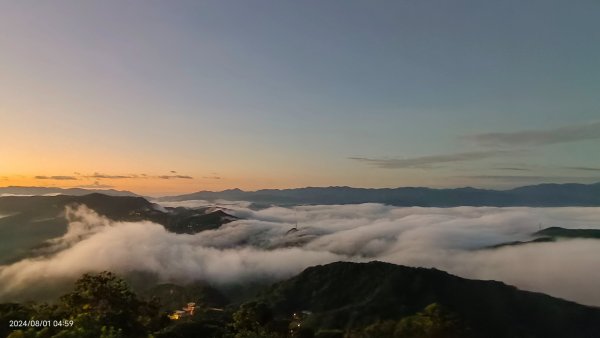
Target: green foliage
[(329, 333), (433, 322), (382, 300), (377, 329), (13, 311), (104, 305), (252, 320), (173, 296), (200, 328), (347, 295), (101, 305)]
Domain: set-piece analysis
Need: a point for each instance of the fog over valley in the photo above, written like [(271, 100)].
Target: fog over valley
[(278, 242)]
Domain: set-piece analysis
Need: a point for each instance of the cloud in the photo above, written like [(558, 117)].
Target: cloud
[(427, 161), (60, 178), (512, 169), (258, 247), (97, 175), (583, 168), (168, 177), (112, 177), (588, 131), (212, 177)]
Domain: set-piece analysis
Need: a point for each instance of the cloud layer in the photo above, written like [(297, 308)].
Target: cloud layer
[(428, 161), (588, 131), (260, 246)]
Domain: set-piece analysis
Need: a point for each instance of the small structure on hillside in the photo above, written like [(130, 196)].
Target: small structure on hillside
[(298, 319), (186, 311)]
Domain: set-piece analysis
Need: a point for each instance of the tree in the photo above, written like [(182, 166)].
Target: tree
[(433, 322), (103, 305), (252, 321)]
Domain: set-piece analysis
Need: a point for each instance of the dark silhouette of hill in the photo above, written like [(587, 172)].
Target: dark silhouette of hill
[(552, 234), (18, 190), (569, 233), (114, 207), (30, 220), (344, 295), (340, 299), (542, 195)]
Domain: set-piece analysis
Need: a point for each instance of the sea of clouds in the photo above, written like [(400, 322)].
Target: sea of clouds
[(261, 246)]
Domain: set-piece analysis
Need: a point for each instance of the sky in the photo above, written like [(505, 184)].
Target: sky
[(168, 97)]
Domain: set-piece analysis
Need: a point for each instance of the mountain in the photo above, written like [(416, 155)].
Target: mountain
[(569, 233), (28, 221), (30, 191), (543, 195), (552, 234), (347, 296)]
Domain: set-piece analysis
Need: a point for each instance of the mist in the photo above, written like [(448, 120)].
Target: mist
[(261, 247)]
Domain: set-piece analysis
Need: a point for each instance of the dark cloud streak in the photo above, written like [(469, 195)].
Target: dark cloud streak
[(583, 168), (589, 131), (112, 177), (168, 177), (60, 178), (513, 169), (427, 161)]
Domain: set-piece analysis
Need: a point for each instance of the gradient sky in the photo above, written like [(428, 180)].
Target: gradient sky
[(164, 97)]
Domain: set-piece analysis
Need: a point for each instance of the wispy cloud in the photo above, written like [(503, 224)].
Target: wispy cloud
[(512, 168), (112, 177), (97, 175), (583, 168), (534, 137), (212, 177), (427, 161), (168, 177), (59, 178)]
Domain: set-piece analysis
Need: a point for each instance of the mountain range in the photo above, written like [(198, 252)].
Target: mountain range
[(542, 195), (32, 191)]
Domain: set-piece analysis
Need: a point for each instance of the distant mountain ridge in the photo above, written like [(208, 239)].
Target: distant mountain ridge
[(542, 195), (569, 233), (20, 190), (553, 234)]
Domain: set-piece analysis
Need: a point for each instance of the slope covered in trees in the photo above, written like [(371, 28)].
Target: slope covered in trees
[(351, 295), (341, 300)]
